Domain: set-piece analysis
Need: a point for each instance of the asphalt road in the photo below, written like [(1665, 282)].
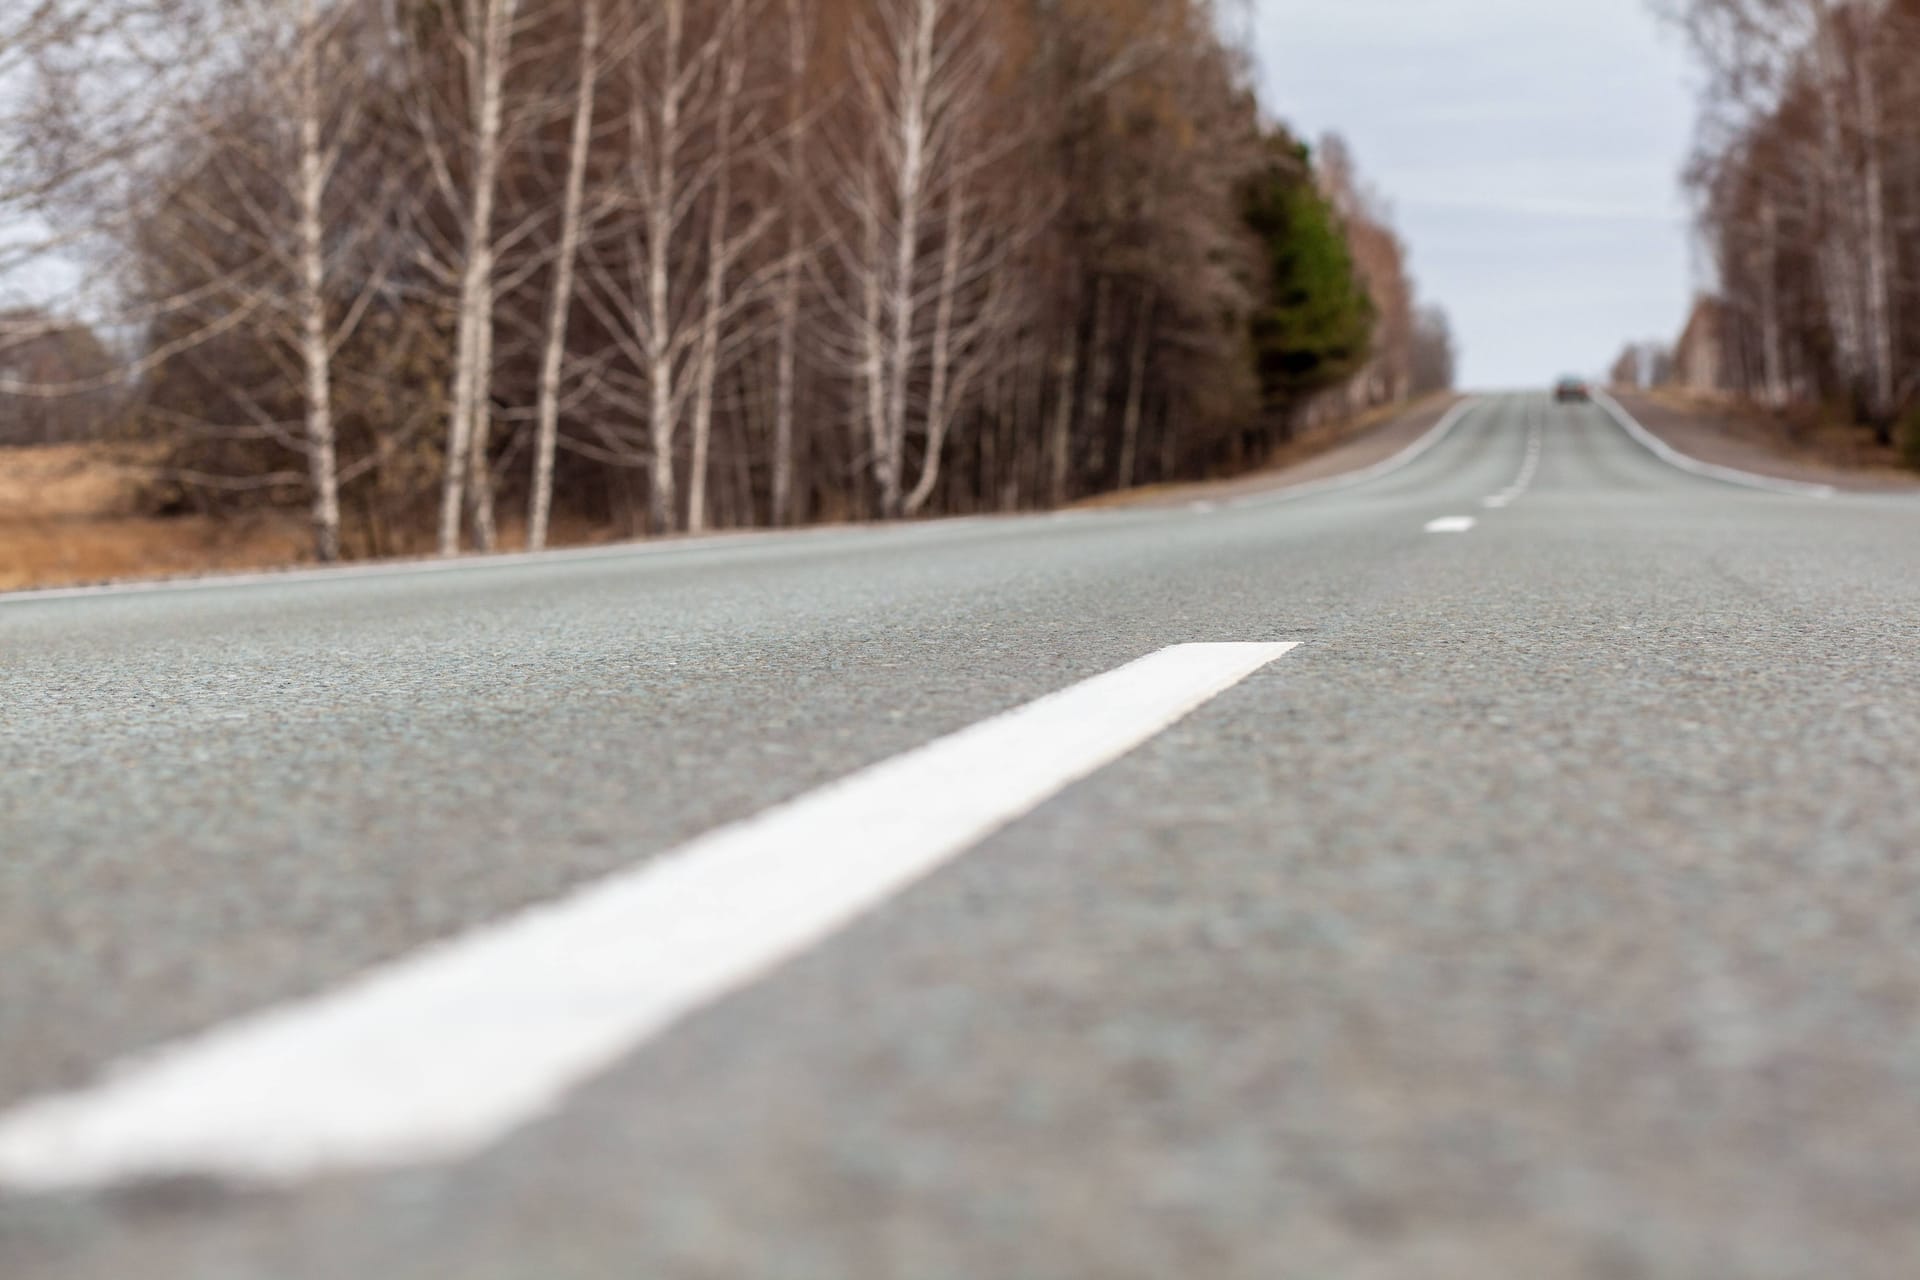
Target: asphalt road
[(1553, 910)]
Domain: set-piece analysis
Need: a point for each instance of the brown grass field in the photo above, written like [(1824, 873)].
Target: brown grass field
[(67, 516)]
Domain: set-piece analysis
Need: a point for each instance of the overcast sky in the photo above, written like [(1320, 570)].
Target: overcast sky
[(1530, 151)]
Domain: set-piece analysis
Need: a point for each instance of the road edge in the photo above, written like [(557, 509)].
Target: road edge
[(471, 561), (407, 566), (1379, 470), (1709, 470)]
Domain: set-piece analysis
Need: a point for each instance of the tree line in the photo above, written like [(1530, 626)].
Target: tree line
[(447, 273), (1808, 183)]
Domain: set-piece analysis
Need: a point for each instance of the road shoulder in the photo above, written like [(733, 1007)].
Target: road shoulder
[(1323, 453), (1724, 436)]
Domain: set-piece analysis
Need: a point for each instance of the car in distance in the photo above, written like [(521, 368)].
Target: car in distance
[(1571, 390)]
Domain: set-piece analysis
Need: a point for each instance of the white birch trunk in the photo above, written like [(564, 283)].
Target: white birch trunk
[(787, 356), (873, 365), (916, 63), (939, 415), (718, 253), (662, 363), (490, 31), (479, 470), (315, 346), (560, 301)]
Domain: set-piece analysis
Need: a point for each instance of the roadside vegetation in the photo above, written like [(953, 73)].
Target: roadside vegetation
[(456, 274), (1807, 180)]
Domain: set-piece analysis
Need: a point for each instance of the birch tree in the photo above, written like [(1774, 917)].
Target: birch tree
[(792, 174), (721, 251), (573, 229), (707, 261), (317, 164), (658, 280), (485, 37), (924, 70), (263, 233)]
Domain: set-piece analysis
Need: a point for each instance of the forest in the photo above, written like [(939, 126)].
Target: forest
[(444, 275), (1807, 178)]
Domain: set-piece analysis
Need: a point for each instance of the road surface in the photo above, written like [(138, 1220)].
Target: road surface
[(1552, 909)]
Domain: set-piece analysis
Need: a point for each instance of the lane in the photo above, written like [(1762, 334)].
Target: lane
[(1529, 465), (1603, 462), (1483, 455), (379, 1072), (1425, 962), (227, 798), (1550, 913)]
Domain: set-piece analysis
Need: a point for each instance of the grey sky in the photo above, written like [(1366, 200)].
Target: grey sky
[(1530, 151)]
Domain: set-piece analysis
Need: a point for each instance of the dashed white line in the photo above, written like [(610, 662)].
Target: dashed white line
[(1529, 468), (441, 1053), (1451, 524)]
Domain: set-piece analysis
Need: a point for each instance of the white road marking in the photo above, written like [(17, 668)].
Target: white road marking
[(1693, 466), (1529, 468), (441, 1053), (1379, 470), (1451, 524)]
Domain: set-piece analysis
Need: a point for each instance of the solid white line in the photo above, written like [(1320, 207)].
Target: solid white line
[(441, 1053), (1451, 524), (1673, 457), (1379, 470)]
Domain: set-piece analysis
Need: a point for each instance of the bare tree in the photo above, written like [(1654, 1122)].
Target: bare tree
[(693, 262), (1798, 133), (88, 111), (799, 58), (265, 223), (573, 229), (924, 70), (484, 36), (723, 248), (659, 276), (317, 164)]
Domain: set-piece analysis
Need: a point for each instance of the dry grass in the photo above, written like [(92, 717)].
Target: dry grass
[(68, 515), (51, 553), (1803, 434), (64, 481)]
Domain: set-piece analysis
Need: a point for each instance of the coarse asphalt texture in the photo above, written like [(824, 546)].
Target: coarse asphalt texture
[(1552, 911)]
